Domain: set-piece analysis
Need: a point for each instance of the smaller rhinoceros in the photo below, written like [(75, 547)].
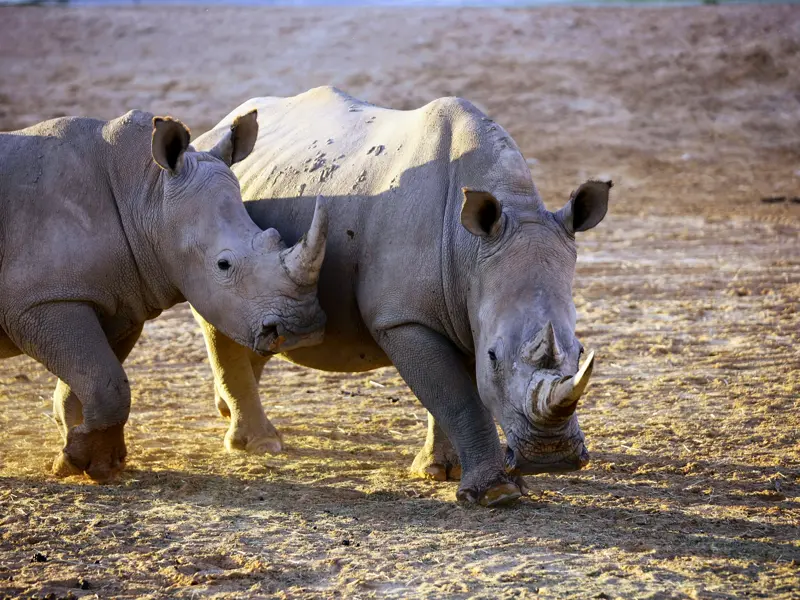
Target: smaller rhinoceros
[(103, 225)]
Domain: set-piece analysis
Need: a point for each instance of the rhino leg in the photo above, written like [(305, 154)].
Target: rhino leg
[(258, 363), (222, 407), (67, 339), (67, 409), (437, 459), (236, 372), (435, 371)]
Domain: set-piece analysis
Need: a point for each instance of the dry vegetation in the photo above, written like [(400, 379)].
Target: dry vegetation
[(689, 290)]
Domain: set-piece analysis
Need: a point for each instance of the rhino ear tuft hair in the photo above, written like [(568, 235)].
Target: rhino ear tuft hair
[(170, 140), (481, 213), (239, 142), (586, 207)]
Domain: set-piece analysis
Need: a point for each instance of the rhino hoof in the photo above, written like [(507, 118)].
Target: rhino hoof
[(100, 453), (438, 472), (63, 467), (266, 444), (427, 466), (499, 494)]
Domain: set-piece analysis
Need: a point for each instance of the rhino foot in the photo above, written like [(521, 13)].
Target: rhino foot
[(499, 492), (98, 453), (63, 467), (438, 459), (440, 466), (267, 441)]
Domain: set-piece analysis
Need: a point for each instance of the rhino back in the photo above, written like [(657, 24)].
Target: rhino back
[(394, 180), (61, 233)]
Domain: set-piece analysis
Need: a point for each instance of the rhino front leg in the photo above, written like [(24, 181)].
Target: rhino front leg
[(257, 363), (236, 372), (67, 339), (67, 409), (438, 458), (436, 373)]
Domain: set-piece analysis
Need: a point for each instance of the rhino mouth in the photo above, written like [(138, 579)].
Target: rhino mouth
[(274, 338), (567, 455)]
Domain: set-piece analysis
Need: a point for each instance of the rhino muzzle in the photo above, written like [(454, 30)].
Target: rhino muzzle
[(558, 454), (268, 340), (556, 442), (274, 337)]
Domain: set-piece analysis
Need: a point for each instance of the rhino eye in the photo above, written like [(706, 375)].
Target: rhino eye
[(223, 264), (493, 358)]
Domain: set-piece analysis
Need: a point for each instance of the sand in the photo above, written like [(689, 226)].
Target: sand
[(689, 291)]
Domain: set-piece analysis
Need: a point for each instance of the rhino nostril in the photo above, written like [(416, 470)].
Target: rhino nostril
[(271, 337), (269, 330)]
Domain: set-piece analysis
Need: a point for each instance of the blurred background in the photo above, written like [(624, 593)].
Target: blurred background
[(657, 94)]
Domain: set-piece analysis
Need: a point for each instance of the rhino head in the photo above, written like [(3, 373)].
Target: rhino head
[(243, 280), (523, 319)]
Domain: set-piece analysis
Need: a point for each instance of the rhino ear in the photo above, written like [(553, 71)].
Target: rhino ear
[(170, 141), (481, 213), (239, 142), (586, 207)]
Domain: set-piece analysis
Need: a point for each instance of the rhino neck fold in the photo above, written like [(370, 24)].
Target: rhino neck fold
[(459, 261), (138, 189)]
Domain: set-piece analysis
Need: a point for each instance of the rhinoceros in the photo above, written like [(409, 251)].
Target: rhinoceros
[(442, 261), (103, 225)]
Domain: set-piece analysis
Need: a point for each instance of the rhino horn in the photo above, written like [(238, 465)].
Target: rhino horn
[(565, 394), (543, 350), (303, 261)]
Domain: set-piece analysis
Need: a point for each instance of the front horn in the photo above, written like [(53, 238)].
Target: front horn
[(303, 261), (566, 393), (557, 399)]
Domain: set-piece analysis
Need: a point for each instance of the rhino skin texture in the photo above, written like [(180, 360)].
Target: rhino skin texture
[(442, 261), (103, 225)]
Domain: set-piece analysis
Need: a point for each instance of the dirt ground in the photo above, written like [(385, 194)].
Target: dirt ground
[(689, 291)]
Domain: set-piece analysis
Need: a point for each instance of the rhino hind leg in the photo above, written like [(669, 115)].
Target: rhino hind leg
[(438, 459), (219, 401), (236, 373)]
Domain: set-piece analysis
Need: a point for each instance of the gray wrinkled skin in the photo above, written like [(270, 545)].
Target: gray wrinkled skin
[(105, 224), (441, 260)]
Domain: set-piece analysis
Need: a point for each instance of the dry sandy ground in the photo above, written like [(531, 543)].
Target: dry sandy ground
[(689, 290)]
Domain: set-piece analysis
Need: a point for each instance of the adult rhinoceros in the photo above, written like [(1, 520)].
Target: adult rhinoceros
[(105, 224), (442, 261)]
